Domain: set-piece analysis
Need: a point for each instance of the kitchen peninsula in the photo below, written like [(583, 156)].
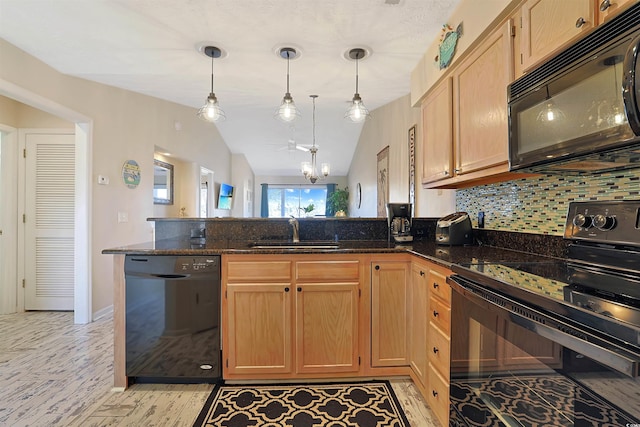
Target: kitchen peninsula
[(382, 296)]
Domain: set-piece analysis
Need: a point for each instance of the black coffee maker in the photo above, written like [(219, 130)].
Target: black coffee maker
[(399, 221)]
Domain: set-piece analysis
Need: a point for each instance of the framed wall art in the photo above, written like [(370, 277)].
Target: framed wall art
[(383, 181), (412, 165)]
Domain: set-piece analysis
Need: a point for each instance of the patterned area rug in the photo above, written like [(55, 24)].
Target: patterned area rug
[(368, 404)]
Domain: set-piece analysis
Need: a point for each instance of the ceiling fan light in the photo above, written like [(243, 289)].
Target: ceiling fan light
[(211, 111)]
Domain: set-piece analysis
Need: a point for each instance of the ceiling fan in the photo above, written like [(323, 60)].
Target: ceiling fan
[(293, 146)]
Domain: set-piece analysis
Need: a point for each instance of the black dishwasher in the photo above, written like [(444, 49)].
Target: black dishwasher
[(173, 318)]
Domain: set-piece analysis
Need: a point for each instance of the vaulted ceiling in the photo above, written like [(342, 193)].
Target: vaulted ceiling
[(154, 47)]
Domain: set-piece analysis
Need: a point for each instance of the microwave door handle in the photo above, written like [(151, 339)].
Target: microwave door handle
[(629, 85)]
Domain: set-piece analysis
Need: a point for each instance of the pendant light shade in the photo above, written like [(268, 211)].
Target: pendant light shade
[(357, 112), (211, 111), (287, 112)]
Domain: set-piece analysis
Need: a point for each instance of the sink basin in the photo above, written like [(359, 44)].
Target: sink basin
[(327, 244)]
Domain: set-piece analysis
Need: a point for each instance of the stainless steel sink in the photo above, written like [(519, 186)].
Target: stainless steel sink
[(325, 244)]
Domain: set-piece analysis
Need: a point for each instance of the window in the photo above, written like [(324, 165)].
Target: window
[(287, 200)]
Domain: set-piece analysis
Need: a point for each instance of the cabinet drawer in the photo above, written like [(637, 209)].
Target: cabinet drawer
[(439, 349), (327, 271), (440, 314), (438, 396), (259, 271), (438, 285)]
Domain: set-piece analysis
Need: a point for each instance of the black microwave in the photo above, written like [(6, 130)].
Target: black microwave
[(579, 110)]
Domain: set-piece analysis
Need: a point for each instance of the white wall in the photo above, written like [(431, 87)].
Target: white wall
[(125, 125), (390, 126), (243, 179)]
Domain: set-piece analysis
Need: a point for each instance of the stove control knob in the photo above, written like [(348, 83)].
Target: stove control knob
[(604, 223), (582, 221)]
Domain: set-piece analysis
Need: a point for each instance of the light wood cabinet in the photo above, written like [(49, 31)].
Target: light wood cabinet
[(389, 313), (609, 8), (291, 316), (259, 321), (548, 26), (479, 115), (429, 313), (480, 104), (418, 324), (437, 139)]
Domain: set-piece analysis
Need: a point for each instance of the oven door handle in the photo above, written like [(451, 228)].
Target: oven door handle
[(551, 327)]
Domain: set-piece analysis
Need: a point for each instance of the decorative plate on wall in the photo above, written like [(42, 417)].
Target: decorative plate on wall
[(131, 173)]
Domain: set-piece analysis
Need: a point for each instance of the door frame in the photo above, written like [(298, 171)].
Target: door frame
[(9, 224), (83, 311)]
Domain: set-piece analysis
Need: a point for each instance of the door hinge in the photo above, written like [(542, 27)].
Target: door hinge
[(358, 360), (24, 153), (359, 293), (24, 218), (227, 360), (513, 31), (24, 283)]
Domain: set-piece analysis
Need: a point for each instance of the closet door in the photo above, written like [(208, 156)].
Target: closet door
[(49, 221)]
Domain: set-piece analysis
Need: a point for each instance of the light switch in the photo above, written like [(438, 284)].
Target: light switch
[(123, 216), (103, 180)]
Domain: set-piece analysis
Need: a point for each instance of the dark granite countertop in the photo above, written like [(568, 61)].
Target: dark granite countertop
[(444, 255)]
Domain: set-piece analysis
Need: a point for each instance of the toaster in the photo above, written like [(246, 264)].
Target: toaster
[(454, 229)]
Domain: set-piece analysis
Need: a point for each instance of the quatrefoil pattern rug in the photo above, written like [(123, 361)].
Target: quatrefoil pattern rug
[(369, 404)]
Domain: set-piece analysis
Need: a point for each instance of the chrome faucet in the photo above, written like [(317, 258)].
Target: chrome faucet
[(296, 228)]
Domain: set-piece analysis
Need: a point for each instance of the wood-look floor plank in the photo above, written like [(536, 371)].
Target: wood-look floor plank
[(55, 373)]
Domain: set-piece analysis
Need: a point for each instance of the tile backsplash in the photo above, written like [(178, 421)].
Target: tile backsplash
[(539, 205)]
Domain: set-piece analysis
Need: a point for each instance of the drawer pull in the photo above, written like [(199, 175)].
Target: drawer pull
[(435, 393), (435, 350), (421, 273), (435, 313), (606, 4), (299, 289), (580, 22), (377, 267), (435, 285), (286, 289)]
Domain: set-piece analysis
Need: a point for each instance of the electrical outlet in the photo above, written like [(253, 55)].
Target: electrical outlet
[(123, 216)]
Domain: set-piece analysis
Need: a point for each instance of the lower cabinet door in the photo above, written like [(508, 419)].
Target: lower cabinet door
[(327, 327), (259, 329)]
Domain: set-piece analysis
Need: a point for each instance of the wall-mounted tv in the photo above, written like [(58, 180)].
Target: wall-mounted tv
[(225, 197)]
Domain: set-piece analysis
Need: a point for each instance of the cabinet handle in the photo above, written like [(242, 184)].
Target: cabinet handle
[(435, 350), (446, 172), (435, 313), (377, 267), (457, 170), (435, 285), (580, 22), (606, 4), (286, 289), (435, 393), (421, 273), (299, 289)]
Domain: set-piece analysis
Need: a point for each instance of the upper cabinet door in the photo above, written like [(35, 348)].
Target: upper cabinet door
[(610, 8), (480, 103), (437, 140), (548, 25)]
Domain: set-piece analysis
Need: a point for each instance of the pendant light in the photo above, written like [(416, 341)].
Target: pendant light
[(309, 168), (357, 112), (211, 111), (287, 112)]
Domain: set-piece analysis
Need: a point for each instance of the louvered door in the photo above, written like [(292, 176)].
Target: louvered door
[(49, 221)]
